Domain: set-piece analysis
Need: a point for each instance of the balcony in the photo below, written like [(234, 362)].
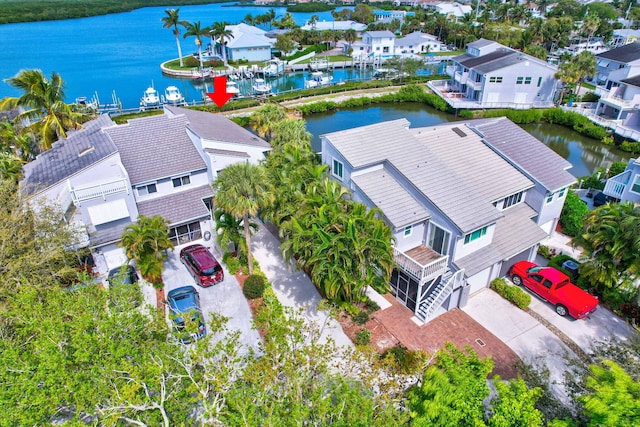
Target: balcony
[(421, 262), (461, 77), (616, 185), (99, 191), (623, 104)]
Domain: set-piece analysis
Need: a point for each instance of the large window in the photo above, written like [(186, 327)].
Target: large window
[(636, 185), (439, 239), (475, 235), (513, 199), (181, 180), (143, 190), (185, 233), (337, 169)]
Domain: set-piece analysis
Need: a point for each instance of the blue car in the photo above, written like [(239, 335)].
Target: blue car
[(186, 315)]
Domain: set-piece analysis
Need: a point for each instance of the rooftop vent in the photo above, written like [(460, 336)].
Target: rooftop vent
[(459, 132), (86, 151)]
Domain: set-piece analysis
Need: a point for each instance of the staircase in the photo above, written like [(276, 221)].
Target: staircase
[(437, 293)]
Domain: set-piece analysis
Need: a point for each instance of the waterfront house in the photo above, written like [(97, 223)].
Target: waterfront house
[(248, 43), (451, 10), (465, 200), (389, 15), (418, 43), (335, 26), (625, 186), (104, 175), (622, 103), (490, 75), (616, 65), (375, 44)]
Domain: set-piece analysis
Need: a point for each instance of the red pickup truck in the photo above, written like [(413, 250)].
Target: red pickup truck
[(554, 286)]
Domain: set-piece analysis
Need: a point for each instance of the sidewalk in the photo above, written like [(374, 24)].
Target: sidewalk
[(293, 288)]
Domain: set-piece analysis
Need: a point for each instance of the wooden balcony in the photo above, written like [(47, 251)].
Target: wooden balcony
[(421, 262)]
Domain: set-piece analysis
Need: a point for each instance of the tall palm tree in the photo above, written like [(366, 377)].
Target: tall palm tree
[(350, 36), (249, 19), (242, 189), (172, 20), (230, 230), (195, 29), (43, 104), (291, 132), (265, 119), (220, 33)]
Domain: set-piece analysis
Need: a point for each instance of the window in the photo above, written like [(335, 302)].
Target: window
[(337, 169), (439, 239), (519, 80), (495, 79), (549, 197), (475, 235), (185, 233), (561, 192), (181, 180), (636, 185), (408, 230), (513, 199), (147, 189), (527, 80), (539, 81)]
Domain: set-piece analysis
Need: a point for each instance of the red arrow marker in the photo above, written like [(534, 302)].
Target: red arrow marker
[(220, 95)]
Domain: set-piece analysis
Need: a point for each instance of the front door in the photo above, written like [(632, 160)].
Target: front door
[(405, 289)]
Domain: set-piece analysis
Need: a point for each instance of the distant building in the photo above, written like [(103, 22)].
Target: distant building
[(335, 25), (248, 43), (418, 43), (625, 186), (625, 36), (390, 15)]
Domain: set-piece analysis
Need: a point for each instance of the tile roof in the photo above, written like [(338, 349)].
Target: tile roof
[(64, 160), (514, 233), (227, 152), (399, 206), (627, 53), (381, 34), (178, 207), (481, 43), (526, 152), (108, 233), (216, 127), (156, 147)]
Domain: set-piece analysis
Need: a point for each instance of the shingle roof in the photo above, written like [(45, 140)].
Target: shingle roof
[(633, 81), (481, 43), (483, 60), (63, 160), (216, 127), (178, 207), (393, 142), (526, 153), (399, 207), (627, 53), (156, 147), (514, 233), (231, 153), (381, 34)]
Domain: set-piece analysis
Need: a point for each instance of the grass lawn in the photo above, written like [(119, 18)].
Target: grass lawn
[(588, 86), (449, 53)]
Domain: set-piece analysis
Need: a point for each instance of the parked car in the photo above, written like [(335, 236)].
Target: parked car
[(125, 274), (185, 314), (202, 265), (554, 286)]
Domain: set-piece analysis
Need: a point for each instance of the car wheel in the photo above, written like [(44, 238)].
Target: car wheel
[(561, 310), (516, 280)]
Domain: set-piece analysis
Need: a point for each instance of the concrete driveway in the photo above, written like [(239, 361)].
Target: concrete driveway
[(225, 298)]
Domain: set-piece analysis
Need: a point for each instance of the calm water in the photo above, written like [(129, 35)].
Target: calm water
[(585, 154), (120, 52)]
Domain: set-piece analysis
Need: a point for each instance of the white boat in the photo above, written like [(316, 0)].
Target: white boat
[(150, 99), (232, 87), (273, 68), (261, 87), (173, 96), (318, 79), (201, 74)]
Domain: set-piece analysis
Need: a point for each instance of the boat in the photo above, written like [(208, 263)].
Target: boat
[(273, 68), (261, 87), (150, 99), (318, 79), (232, 88), (201, 74), (173, 96)]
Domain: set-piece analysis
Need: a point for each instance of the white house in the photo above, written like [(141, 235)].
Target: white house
[(335, 26), (625, 186), (418, 43), (378, 44), (248, 43), (465, 200), (490, 75), (616, 65)]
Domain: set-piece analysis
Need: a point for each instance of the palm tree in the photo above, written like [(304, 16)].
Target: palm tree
[(350, 36), (19, 142), (586, 64), (220, 32), (146, 242), (241, 189), (172, 20), (230, 230), (43, 104), (196, 30), (313, 20), (291, 132), (10, 168), (265, 119), (248, 19)]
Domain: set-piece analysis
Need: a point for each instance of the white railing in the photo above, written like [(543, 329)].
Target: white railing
[(619, 101), (99, 191), (449, 70), (461, 77), (615, 185), (459, 100), (615, 125), (420, 272), (433, 301)]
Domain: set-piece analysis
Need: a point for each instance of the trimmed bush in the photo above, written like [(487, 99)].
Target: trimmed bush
[(254, 286), (513, 294), (556, 262), (361, 318), (363, 337), (543, 251)]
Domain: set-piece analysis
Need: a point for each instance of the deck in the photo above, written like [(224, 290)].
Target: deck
[(423, 255)]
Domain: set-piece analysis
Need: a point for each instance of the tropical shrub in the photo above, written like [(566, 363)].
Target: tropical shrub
[(370, 305), (513, 294), (232, 263), (573, 213), (361, 318), (403, 360), (517, 116), (590, 97), (630, 147), (254, 286), (544, 251), (363, 337)]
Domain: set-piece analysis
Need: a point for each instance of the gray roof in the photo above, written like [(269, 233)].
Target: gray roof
[(514, 233), (399, 207), (422, 167), (178, 207), (216, 127), (381, 34), (156, 147), (526, 153), (633, 81), (108, 233), (627, 53), (416, 38), (481, 43), (63, 160), (231, 153)]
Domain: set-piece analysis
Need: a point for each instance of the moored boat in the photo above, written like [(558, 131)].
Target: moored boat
[(201, 74), (318, 79), (261, 87), (273, 68), (232, 88), (172, 95), (150, 99)]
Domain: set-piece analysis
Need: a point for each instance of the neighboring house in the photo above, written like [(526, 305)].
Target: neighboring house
[(490, 75), (451, 10), (104, 175), (335, 26), (625, 186), (248, 43), (465, 201), (390, 15), (622, 103), (594, 46), (375, 44), (616, 65), (625, 36), (418, 43)]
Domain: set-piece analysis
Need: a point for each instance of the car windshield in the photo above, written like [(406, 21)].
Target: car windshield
[(561, 284), (211, 271), (535, 269)]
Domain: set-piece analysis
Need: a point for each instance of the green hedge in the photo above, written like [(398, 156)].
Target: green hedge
[(513, 294), (254, 286), (556, 262)]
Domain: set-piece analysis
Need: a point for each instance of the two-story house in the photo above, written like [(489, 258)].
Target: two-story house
[(616, 65), (418, 43), (465, 201), (248, 43), (622, 103), (625, 186), (490, 75), (375, 44)]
